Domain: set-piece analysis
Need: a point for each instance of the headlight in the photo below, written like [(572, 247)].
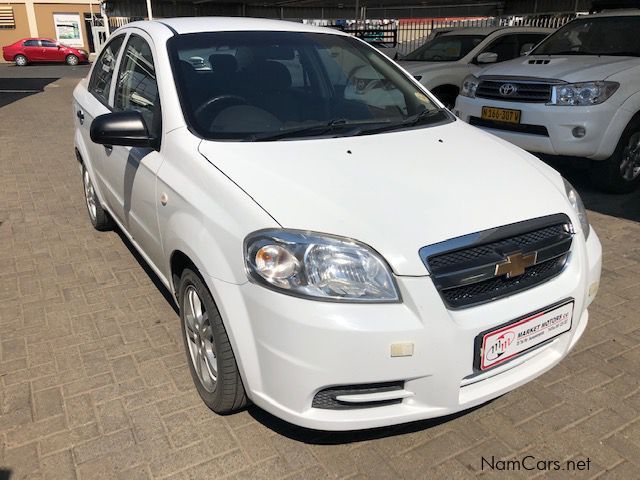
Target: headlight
[(581, 94), (322, 267), (469, 86), (578, 206)]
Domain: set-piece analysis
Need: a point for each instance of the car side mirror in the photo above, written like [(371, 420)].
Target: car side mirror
[(126, 129), (487, 57)]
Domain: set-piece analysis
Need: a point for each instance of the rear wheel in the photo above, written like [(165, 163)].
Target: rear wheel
[(100, 219), (620, 173), (20, 60), (72, 60), (211, 360)]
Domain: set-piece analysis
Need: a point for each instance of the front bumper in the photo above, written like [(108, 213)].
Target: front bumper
[(288, 348), (603, 123)]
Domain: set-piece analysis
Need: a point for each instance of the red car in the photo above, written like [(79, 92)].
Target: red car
[(30, 50)]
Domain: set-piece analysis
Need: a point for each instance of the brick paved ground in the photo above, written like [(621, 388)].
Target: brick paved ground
[(94, 384)]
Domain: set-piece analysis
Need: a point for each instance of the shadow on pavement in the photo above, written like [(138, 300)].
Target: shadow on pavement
[(148, 270), (625, 206), (14, 89), (319, 437)]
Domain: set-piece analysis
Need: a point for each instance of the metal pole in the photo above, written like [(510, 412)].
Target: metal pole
[(149, 11), (357, 13)]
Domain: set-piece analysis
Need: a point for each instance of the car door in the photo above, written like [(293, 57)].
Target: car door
[(92, 102), (33, 50), (131, 172), (51, 51)]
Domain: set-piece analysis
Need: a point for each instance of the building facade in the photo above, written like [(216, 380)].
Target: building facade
[(67, 21)]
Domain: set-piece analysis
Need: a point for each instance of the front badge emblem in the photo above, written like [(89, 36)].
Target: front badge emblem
[(508, 89), (515, 264)]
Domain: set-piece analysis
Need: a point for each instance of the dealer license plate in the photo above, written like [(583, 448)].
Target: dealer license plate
[(506, 342), (501, 115)]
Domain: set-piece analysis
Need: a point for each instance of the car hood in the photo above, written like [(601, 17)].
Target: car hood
[(397, 191), (420, 68), (570, 68)]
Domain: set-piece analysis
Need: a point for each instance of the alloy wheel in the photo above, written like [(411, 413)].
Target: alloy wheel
[(630, 165), (199, 332), (89, 195), (72, 60), (21, 61)]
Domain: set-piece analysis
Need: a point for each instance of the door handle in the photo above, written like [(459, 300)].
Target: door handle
[(80, 116)]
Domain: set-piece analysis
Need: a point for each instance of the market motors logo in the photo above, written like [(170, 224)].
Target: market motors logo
[(508, 89), (500, 346)]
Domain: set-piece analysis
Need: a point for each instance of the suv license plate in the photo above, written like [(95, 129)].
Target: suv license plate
[(506, 342), (501, 115)]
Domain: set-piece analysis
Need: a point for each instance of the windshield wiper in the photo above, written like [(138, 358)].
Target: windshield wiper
[(316, 129), (425, 116)]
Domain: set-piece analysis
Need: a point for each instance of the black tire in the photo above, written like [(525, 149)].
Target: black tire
[(72, 60), (447, 95), (98, 216), (609, 175), (20, 60), (226, 394)]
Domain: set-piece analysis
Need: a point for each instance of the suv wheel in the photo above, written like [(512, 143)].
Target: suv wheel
[(100, 219), (620, 173), (20, 60), (72, 60), (210, 357)]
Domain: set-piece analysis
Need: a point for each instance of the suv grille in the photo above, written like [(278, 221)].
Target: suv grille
[(519, 91), (464, 269)]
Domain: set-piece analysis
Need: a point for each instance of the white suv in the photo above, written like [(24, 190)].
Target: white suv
[(442, 64), (338, 255), (577, 94)]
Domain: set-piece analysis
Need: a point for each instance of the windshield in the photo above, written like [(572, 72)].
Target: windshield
[(595, 36), (445, 48), (274, 85)]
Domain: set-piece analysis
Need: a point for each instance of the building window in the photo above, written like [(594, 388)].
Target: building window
[(7, 19)]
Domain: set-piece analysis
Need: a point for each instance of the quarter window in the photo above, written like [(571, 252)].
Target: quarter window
[(100, 83), (136, 87)]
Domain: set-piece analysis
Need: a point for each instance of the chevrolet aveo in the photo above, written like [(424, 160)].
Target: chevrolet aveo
[(344, 253)]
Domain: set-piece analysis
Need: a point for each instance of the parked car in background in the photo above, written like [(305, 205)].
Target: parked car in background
[(344, 252), (577, 94), (442, 64), (32, 50)]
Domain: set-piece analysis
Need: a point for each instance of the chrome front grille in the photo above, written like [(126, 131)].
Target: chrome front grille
[(515, 91), (469, 270)]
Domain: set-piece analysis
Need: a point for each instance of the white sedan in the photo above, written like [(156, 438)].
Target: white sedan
[(344, 252)]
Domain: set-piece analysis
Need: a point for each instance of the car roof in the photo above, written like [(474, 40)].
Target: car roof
[(186, 25), (490, 30)]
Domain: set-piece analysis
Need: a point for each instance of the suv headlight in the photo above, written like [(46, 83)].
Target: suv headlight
[(318, 266), (581, 94), (469, 86), (578, 206)]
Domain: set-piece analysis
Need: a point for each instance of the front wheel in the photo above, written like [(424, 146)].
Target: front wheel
[(210, 357), (620, 173), (20, 60), (72, 60)]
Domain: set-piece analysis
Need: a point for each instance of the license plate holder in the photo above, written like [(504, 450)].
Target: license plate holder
[(517, 337), (501, 115)]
